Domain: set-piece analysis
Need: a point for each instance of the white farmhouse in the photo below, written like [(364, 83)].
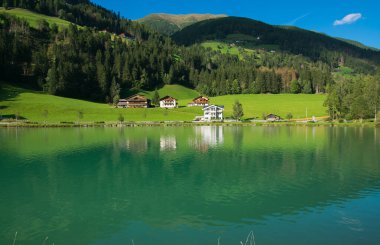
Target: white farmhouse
[(213, 113), (168, 102)]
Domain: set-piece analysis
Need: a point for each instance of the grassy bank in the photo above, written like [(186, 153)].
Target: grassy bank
[(28, 124), (39, 107)]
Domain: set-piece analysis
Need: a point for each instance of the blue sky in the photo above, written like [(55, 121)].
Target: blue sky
[(316, 15)]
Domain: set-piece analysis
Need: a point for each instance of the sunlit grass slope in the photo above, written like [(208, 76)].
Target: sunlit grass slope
[(254, 105), (32, 18), (183, 94), (225, 48), (32, 105)]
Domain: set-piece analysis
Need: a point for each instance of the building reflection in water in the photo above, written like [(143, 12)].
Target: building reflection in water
[(168, 143), (206, 137), (136, 145)]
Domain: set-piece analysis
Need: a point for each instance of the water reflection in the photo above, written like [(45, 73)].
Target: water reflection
[(168, 143), (206, 137), (137, 145), (216, 177)]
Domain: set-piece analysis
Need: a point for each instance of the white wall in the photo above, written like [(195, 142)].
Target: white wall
[(172, 105)]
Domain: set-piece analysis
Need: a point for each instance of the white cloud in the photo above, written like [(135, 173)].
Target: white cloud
[(348, 19)]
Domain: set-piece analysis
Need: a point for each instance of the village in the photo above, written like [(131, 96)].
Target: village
[(211, 112)]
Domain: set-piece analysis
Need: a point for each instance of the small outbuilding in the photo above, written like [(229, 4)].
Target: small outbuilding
[(272, 118), (168, 102)]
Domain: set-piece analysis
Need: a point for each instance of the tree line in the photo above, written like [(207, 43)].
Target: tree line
[(354, 97), (83, 13), (85, 63)]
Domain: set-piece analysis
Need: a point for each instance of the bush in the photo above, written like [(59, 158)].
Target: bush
[(120, 118), (289, 116)]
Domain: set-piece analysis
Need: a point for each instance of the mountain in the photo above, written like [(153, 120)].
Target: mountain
[(251, 33), (355, 43), (170, 23), (358, 44)]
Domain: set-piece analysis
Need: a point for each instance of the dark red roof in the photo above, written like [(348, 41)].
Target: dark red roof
[(167, 97)]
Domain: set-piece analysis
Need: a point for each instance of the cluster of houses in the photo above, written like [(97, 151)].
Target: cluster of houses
[(211, 112)]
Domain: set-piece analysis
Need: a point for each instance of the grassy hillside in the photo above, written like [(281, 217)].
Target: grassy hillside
[(31, 105), (255, 105), (179, 92), (171, 23), (32, 18)]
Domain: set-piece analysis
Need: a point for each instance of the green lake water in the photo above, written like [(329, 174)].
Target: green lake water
[(190, 185)]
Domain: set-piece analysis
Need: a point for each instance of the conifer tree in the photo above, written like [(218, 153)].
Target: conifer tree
[(237, 110), (156, 98)]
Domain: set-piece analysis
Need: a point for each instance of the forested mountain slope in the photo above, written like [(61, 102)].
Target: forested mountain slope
[(170, 23), (251, 33)]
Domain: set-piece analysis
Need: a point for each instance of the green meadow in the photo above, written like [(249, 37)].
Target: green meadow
[(248, 49), (32, 18), (39, 107), (255, 105), (225, 48), (183, 94)]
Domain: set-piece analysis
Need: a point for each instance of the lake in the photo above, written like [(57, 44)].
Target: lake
[(190, 185)]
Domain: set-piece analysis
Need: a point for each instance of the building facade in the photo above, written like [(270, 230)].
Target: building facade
[(168, 102), (135, 101), (213, 113)]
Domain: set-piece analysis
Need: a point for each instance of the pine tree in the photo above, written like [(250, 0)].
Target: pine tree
[(115, 91), (295, 87), (156, 98), (237, 110)]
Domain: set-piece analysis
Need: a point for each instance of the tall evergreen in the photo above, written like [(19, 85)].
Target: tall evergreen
[(156, 98), (237, 110)]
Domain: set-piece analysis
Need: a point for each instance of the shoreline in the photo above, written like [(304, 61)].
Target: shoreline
[(184, 124)]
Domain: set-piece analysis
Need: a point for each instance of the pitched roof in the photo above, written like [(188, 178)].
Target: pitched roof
[(167, 97), (200, 97), (136, 97), (219, 106)]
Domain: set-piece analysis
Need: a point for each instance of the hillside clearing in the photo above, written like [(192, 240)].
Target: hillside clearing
[(227, 49), (32, 18)]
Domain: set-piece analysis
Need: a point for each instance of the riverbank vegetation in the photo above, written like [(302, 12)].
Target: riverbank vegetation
[(354, 97)]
